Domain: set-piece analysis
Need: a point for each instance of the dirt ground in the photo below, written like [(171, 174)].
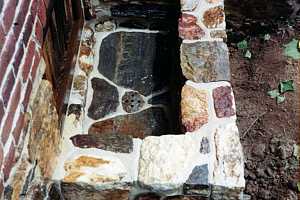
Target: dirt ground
[(268, 130)]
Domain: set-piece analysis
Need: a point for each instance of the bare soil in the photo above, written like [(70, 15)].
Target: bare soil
[(268, 130)]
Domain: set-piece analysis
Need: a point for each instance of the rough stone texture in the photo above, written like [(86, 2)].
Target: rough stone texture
[(188, 27), (189, 5), (105, 99), (194, 108), (109, 142), (218, 34), (148, 196), (72, 191), (151, 121), (79, 82), (204, 146), (94, 170), (44, 140), (135, 60), (164, 161), (214, 17), (223, 101), (197, 183), (105, 26), (228, 162), (75, 109), (213, 1), (187, 197), (199, 176), (132, 102), (223, 193), (205, 61)]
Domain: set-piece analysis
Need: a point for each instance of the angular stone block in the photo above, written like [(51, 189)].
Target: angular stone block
[(148, 196), (186, 197), (205, 146), (228, 159), (223, 101), (224, 193), (205, 61), (136, 60), (105, 99), (194, 108), (188, 27), (167, 161), (151, 121)]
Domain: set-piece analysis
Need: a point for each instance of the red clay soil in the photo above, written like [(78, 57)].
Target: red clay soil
[(268, 130)]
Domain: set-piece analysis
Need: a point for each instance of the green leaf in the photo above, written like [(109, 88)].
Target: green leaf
[(298, 185), (273, 93), (287, 85), (242, 45), (291, 49), (267, 37), (280, 99), (248, 54)]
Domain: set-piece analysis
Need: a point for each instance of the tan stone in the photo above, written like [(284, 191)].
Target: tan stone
[(213, 17), (79, 82), (213, 1), (218, 34), (44, 139), (84, 161), (194, 108)]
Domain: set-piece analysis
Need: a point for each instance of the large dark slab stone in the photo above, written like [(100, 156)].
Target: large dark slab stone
[(105, 99), (151, 121), (110, 142), (135, 60)]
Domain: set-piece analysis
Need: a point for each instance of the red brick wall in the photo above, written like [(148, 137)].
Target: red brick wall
[(21, 36)]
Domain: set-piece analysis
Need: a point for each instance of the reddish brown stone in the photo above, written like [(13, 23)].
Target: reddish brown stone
[(223, 101), (213, 17), (188, 28)]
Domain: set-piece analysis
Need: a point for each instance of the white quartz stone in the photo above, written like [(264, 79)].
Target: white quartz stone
[(167, 161), (228, 161), (189, 5)]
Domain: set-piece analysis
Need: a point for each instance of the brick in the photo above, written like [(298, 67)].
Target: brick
[(34, 8), (6, 55), (39, 32), (16, 98), (28, 60), (18, 129), (1, 153), (2, 37), (1, 182), (7, 127), (28, 28), (37, 59), (27, 95), (8, 14), (42, 12), (21, 16), (8, 86), (9, 161), (18, 58), (1, 111)]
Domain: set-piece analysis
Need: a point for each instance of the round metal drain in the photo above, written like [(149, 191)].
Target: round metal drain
[(132, 102)]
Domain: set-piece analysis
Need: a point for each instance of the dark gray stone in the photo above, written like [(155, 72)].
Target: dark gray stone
[(75, 109), (204, 146), (110, 142), (186, 197), (162, 99), (135, 60), (205, 61), (151, 121), (148, 196), (105, 99), (199, 176), (72, 191), (132, 102), (197, 183)]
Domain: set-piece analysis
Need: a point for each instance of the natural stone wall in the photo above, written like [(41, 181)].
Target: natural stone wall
[(118, 140)]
